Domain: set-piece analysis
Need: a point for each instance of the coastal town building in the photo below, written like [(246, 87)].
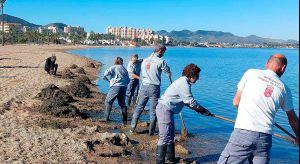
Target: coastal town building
[(43, 30), (70, 29), (12, 27), (25, 29), (133, 33), (54, 29)]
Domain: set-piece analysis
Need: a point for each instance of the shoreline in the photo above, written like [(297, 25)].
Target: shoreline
[(28, 135)]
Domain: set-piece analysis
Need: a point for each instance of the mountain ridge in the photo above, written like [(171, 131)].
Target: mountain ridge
[(13, 19), (219, 36)]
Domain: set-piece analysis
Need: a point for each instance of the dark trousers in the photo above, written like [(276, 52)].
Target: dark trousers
[(52, 70), (116, 92), (133, 88)]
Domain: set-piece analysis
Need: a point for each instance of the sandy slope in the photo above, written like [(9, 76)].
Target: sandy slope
[(24, 83)]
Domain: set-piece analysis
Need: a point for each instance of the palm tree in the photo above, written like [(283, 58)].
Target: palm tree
[(2, 5)]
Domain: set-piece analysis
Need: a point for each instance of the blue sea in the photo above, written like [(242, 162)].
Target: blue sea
[(221, 70)]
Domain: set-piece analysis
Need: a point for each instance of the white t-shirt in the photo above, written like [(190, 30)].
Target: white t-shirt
[(263, 93)]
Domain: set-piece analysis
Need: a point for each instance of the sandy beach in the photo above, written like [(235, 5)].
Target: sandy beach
[(29, 135)]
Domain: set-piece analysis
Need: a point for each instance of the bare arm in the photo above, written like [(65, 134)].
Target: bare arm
[(237, 99), (135, 76), (294, 123)]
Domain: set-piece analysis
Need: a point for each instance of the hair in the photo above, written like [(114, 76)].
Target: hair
[(53, 57), (135, 56), (278, 59), (160, 47), (191, 70), (118, 61)]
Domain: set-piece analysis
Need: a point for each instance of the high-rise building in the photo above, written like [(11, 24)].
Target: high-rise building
[(129, 32), (76, 29)]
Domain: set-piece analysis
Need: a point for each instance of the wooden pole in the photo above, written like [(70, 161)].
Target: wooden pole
[(291, 138)]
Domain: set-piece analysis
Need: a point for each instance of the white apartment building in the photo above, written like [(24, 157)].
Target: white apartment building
[(76, 29), (9, 27), (129, 32), (54, 29), (43, 30)]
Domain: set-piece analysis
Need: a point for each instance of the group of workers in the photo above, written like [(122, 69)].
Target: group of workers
[(260, 93)]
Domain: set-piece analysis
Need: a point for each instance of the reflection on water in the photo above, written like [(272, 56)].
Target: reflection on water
[(221, 69)]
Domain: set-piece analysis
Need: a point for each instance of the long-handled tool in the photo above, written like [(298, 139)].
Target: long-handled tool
[(291, 138), (183, 130), (285, 131)]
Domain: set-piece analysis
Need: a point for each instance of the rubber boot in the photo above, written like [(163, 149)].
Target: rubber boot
[(134, 122), (170, 153), (161, 154), (128, 101), (107, 112), (134, 100), (124, 113), (152, 127)]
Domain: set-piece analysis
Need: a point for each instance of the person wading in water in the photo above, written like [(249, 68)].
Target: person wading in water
[(176, 96), (152, 67), (260, 93), (118, 84), (134, 69)]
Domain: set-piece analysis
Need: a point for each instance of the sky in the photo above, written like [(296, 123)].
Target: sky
[(278, 19)]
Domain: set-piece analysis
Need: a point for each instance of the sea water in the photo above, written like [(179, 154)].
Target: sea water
[(221, 70)]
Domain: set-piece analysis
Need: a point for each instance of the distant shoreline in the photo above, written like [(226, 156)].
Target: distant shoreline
[(83, 46)]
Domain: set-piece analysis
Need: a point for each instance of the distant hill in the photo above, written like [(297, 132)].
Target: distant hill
[(219, 36), (12, 19)]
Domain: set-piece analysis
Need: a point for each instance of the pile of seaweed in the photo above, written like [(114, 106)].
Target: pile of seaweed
[(57, 102)]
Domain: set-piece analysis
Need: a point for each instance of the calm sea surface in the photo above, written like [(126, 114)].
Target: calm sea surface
[(221, 71)]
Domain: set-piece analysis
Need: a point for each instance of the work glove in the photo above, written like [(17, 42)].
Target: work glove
[(205, 112)]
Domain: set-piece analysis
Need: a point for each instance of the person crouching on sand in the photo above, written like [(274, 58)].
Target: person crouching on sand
[(151, 70), (119, 80), (176, 96), (50, 66)]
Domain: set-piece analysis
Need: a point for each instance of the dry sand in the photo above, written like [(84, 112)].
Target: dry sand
[(30, 79)]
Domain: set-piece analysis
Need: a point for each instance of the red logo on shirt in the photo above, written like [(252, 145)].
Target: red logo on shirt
[(148, 66), (269, 91)]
